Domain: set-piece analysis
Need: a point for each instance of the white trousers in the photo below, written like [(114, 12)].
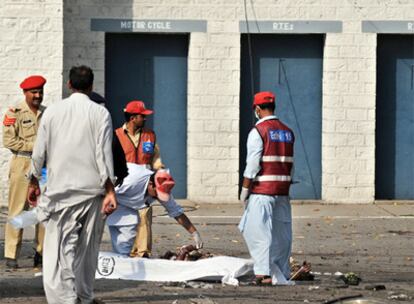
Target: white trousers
[(123, 238), (266, 226), (70, 255)]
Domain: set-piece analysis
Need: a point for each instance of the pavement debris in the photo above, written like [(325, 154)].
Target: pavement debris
[(300, 272), (350, 278), (341, 299), (375, 287), (202, 285), (400, 297), (202, 300)]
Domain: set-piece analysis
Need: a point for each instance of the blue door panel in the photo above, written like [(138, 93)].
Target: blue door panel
[(291, 67), (395, 117), (152, 68)]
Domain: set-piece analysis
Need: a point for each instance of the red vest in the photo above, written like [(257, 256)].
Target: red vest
[(277, 159), (143, 153)]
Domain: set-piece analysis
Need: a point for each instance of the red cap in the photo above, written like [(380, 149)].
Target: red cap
[(137, 107), (163, 185), (263, 97), (33, 82)]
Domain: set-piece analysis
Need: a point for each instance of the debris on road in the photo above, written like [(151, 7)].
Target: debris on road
[(400, 297), (375, 287), (300, 272), (202, 285), (202, 300), (350, 278), (341, 299)]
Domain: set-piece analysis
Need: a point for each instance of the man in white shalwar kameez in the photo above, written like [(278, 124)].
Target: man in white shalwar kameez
[(266, 223), (140, 189), (75, 143)]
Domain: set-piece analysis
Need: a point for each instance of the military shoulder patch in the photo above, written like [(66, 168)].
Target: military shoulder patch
[(9, 121)]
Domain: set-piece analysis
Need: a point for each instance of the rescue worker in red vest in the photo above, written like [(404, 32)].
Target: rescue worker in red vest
[(266, 223), (140, 147), (19, 134)]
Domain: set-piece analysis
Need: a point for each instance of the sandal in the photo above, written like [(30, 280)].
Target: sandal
[(262, 281)]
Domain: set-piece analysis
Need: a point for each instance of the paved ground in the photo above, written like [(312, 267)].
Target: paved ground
[(374, 241)]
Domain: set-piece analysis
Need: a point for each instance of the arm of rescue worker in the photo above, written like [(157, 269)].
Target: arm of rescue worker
[(11, 139), (184, 221), (156, 159), (254, 155), (176, 211)]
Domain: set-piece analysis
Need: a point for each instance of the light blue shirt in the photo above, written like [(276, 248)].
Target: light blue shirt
[(132, 196), (254, 150)]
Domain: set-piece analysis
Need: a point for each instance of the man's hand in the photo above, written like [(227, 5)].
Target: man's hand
[(33, 192), (109, 203), (197, 239), (244, 195)]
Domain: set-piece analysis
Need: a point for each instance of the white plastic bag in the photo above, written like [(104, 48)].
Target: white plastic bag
[(25, 219)]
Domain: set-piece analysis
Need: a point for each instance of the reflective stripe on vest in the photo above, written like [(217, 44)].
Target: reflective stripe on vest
[(275, 158), (273, 178)]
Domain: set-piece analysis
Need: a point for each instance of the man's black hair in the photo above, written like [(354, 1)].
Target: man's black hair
[(267, 106), (128, 116), (81, 77)]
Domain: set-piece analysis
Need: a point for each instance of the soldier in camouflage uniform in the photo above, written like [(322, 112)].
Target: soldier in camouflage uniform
[(19, 134)]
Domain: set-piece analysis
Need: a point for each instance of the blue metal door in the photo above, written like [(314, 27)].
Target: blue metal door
[(394, 161), (152, 68), (291, 67)]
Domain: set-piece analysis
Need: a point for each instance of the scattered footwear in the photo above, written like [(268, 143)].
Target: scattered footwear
[(37, 260), (11, 263)]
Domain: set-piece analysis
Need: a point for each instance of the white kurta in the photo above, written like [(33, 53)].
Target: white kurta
[(266, 223), (75, 140), (132, 196)]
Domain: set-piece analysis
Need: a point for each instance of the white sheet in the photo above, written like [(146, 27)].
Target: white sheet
[(225, 268)]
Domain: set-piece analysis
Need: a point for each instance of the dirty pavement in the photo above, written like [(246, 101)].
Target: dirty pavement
[(354, 250)]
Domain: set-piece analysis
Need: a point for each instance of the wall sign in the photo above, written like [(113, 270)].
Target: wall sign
[(388, 27), (287, 27), (135, 25)]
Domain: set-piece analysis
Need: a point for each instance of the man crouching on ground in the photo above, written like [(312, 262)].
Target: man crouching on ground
[(75, 141)]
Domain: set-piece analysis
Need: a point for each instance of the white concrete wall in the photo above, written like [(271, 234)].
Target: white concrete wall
[(349, 75), (31, 42)]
